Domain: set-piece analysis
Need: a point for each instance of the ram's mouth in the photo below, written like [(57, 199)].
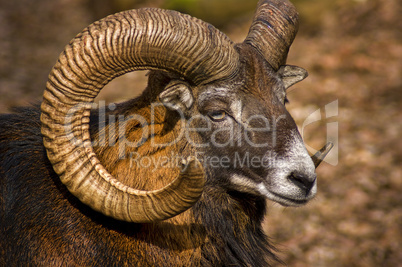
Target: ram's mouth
[(287, 201), (284, 200)]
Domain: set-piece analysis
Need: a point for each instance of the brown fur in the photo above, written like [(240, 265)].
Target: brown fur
[(42, 223)]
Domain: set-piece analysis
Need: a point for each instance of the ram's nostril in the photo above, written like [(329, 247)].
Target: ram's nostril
[(305, 182)]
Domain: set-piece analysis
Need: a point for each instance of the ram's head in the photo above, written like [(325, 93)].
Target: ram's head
[(231, 98)]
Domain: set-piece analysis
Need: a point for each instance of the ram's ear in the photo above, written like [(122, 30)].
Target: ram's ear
[(291, 75), (177, 95)]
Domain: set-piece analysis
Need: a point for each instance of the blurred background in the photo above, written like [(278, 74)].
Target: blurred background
[(353, 52)]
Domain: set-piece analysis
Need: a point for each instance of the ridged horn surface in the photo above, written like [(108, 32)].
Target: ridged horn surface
[(273, 30), (132, 40)]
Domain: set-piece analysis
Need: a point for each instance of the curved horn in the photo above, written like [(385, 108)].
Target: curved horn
[(319, 156), (273, 30), (132, 40)]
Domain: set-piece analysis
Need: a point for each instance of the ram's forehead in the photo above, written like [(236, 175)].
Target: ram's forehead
[(255, 79), (263, 89), (213, 92)]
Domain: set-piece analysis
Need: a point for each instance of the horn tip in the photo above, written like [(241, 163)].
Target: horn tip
[(321, 154)]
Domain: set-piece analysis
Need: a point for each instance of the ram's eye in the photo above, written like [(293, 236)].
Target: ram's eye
[(286, 100), (218, 115)]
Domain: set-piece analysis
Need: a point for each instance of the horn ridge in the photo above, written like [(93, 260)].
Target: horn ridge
[(273, 30)]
